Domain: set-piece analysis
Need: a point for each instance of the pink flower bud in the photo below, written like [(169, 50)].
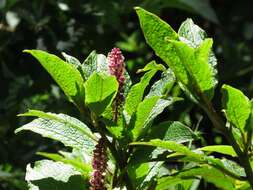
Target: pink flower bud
[(116, 65)]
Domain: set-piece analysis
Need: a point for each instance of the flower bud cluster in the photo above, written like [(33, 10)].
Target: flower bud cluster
[(116, 66), (99, 165)]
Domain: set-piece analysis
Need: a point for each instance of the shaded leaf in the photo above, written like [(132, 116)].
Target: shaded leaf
[(136, 92), (172, 131), (146, 112), (210, 174), (163, 86), (167, 131), (142, 175), (173, 146)]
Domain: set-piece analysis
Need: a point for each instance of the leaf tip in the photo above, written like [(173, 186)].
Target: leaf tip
[(25, 113), (137, 8), (131, 144), (17, 130), (27, 51)]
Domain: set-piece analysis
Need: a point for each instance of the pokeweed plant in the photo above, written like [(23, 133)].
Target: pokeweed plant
[(116, 144)]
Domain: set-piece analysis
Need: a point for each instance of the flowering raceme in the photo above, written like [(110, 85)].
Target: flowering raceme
[(116, 66), (99, 165)]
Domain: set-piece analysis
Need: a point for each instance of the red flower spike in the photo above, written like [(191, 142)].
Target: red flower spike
[(116, 66)]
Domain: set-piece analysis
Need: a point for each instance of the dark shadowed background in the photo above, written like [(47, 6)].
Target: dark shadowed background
[(78, 27)]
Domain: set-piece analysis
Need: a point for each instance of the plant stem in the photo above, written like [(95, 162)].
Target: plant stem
[(220, 125), (121, 163)]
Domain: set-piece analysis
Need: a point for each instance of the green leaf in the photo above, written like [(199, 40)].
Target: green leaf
[(65, 75), (142, 175), (210, 174), (72, 60), (170, 181), (173, 146), (200, 77), (172, 131), (223, 149), (233, 167), (100, 91), (226, 165), (167, 131), (194, 36), (189, 65), (79, 165), (146, 112), (68, 130), (152, 66), (163, 86), (94, 63), (249, 124), (238, 136), (236, 106), (127, 84), (136, 92), (189, 156), (51, 175), (191, 33), (155, 31)]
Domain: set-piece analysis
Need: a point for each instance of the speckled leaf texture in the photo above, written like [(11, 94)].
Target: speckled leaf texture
[(50, 175), (94, 63), (100, 91), (196, 64), (194, 36), (172, 131), (196, 74), (236, 106), (68, 130), (65, 75)]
